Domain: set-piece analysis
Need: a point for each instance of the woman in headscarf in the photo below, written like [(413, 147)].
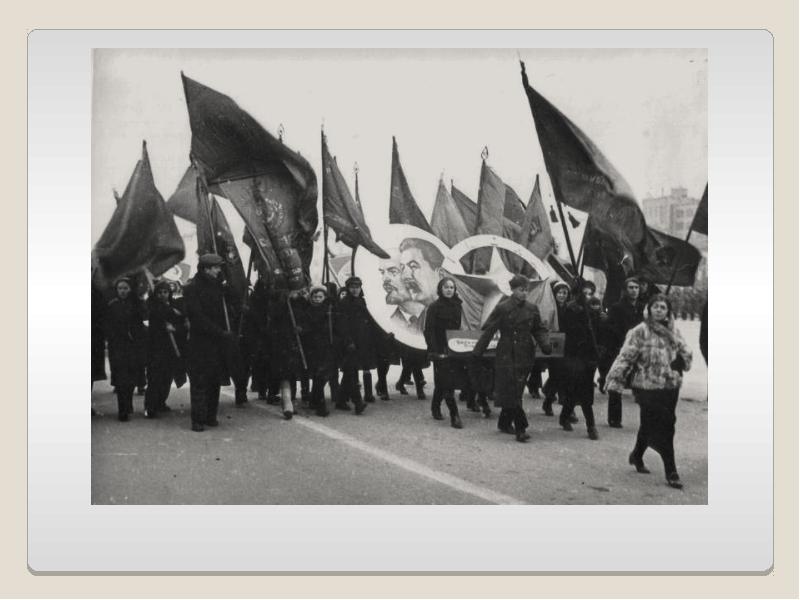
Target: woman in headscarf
[(555, 384), (166, 334), (125, 332), (286, 363), (320, 335), (519, 323), (655, 356), (582, 351), (449, 372)]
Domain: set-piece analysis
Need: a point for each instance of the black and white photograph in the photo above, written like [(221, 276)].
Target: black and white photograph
[(399, 276)]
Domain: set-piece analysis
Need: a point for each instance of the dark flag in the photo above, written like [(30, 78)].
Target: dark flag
[(214, 235), (141, 233), (513, 209), (490, 220), (535, 232), (700, 221), (584, 179), (403, 208), (273, 188), (670, 260), (340, 211), (183, 201), (465, 206), (446, 220)]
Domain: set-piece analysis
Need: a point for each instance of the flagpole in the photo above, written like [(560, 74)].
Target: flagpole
[(325, 267), (353, 262), (246, 293)]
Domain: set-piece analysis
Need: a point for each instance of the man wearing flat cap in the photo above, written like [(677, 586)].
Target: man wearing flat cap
[(209, 340), (519, 323)]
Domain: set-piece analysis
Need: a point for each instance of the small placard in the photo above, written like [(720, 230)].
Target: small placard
[(462, 341)]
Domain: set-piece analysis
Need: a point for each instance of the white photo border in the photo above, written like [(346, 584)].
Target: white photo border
[(733, 533)]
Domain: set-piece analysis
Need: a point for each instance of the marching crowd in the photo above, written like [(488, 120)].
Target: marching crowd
[(281, 341)]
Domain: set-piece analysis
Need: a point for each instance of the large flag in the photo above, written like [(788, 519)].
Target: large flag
[(583, 178), (465, 206), (700, 221), (535, 232), (446, 221), (403, 208), (214, 235), (340, 211), (489, 219), (670, 260), (271, 186), (141, 233)]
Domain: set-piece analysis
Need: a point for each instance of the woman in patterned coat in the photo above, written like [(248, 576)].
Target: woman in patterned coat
[(656, 356)]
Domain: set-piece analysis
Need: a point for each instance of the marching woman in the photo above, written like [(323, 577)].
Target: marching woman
[(655, 356), (287, 314), (449, 373), (320, 335), (555, 384), (125, 332), (360, 353), (166, 334), (519, 323)]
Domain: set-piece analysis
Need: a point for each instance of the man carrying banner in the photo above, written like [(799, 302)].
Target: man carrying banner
[(209, 340), (518, 322)]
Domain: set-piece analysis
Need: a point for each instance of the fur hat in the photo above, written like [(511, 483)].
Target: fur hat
[(518, 281)]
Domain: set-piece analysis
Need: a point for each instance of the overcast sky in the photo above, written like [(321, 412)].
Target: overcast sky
[(645, 109)]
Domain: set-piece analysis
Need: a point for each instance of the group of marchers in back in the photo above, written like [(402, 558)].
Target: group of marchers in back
[(284, 340)]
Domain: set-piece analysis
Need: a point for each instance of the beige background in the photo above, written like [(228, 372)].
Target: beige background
[(779, 17)]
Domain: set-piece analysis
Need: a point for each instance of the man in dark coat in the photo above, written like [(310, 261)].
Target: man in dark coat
[(166, 336), (360, 352), (582, 318), (622, 317), (209, 340), (519, 323)]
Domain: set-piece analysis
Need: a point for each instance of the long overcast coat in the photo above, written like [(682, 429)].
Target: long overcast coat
[(519, 324), (127, 337)]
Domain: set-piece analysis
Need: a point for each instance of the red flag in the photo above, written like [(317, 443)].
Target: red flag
[(489, 220), (446, 220), (465, 206), (340, 211), (670, 260), (271, 186), (402, 206), (513, 209), (535, 233), (700, 221), (583, 178), (141, 232), (214, 235)]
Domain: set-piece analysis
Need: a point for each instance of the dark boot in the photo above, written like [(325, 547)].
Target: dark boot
[(368, 394), (436, 405), (241, 397), (452, 406), (547, 406), (484, 404), (564, 419), (421, 391)]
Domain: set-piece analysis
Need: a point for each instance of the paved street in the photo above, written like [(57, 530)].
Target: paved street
[(393, 454)]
